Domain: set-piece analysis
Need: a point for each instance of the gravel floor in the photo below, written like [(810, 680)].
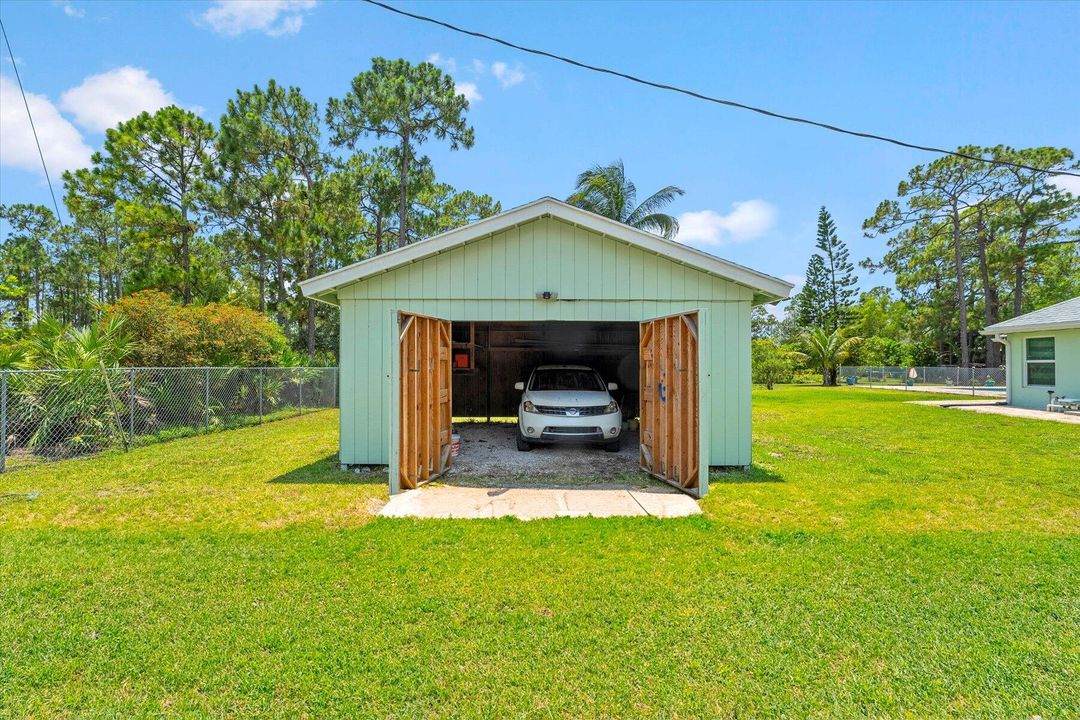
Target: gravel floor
[(488, 452)]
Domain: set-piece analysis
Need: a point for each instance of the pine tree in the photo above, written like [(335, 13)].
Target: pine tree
[(840, 283), (811, 304)]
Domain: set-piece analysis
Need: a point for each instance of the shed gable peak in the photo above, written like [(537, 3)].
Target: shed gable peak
[(765, 287)]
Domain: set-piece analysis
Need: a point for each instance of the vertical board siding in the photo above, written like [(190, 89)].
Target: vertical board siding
[(496, 279), (349, 357)]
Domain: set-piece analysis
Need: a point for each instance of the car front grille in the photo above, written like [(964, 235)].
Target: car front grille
[(559, 430), (569, 411)]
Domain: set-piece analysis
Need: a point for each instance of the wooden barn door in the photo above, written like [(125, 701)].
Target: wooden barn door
[(670, 438), (425, 404)]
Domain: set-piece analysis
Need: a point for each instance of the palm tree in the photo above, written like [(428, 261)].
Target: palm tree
[(604, 190), (826, 352), (51, 344)]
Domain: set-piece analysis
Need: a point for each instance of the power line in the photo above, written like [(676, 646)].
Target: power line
[(709, 98), (33, 128)]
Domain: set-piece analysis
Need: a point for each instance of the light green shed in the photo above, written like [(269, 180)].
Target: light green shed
[(542, 281), (1042, 354)]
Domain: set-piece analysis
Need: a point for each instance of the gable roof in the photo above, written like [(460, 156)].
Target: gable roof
[(1062, 316), (766, 288)]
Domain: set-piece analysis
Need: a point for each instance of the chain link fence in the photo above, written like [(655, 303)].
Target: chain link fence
[(941, 376), (57, 414)]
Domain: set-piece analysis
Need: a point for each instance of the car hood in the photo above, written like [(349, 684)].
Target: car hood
[(568, 398)]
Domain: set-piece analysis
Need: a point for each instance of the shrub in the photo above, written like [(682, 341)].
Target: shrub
[(806, 377), (880, 351), (169, 334), (892, 353), (769, 363)]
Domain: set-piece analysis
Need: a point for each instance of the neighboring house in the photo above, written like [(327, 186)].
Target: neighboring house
[(1042, 353), (447, 325)]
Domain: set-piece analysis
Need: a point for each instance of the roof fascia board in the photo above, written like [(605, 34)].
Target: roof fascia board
[(1038, 327)]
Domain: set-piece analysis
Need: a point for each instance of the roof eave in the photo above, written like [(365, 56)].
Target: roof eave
[(1039, 327)]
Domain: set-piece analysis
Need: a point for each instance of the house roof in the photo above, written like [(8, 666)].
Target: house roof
[(766, 288), (1063, 316)]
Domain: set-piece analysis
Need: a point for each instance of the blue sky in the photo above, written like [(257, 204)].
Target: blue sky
[(938, 74)]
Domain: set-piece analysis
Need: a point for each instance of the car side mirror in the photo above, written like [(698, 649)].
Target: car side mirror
[(519, 386), (613, 386)]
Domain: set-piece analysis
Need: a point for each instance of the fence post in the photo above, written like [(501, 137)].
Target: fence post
[(3, 420), (206, 399), (131, 404), (300, 381), (260, 394)]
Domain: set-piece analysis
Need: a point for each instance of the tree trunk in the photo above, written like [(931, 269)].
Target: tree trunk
[(279, 267), (378, 234), (403, 200), (119, 267), (1020, 267), (310, 304), (311, 327), (991, 300), (262, 283), (37, 295), (961, 296), (185, 258)]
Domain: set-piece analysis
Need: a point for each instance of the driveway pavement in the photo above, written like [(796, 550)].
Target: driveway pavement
[(991, 407), (525, 502)]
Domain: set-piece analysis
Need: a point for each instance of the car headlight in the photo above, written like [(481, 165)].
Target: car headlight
[(528, 406), (612, 407)]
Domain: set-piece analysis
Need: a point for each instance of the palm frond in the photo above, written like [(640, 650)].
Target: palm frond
[(659, 224), (654, 203)]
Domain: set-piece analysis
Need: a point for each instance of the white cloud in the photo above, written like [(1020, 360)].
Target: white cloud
[(61, 142), (447, 63), (469, 90), (102, 101), (1068, 183), (271, 17), (797, 280), (508, 76), (747, 220), (780, 309), (71, 11)]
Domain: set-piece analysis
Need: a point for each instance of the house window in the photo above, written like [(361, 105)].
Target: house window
[(1039, 359)]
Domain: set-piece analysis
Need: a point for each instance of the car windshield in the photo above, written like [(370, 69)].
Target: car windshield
[(566, 379)]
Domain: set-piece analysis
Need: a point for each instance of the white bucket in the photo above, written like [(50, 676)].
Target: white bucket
[(455, 445)]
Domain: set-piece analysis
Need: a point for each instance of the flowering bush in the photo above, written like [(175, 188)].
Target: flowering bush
[(168, 334)]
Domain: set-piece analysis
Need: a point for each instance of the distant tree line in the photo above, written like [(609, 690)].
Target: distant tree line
[(240, 211), (971, 242)]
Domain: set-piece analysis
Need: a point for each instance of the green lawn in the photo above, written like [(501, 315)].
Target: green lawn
[(880, 560)]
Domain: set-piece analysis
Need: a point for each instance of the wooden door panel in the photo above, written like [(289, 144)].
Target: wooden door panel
[(670, 438), (425, 399)]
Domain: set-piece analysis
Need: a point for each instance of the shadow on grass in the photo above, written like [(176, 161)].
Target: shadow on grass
[(754, 474), (327, 472)]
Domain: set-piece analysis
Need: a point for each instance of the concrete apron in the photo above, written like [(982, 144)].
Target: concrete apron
[(525, 503)]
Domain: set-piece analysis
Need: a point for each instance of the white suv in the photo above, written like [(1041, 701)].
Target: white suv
[(568, 403)]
